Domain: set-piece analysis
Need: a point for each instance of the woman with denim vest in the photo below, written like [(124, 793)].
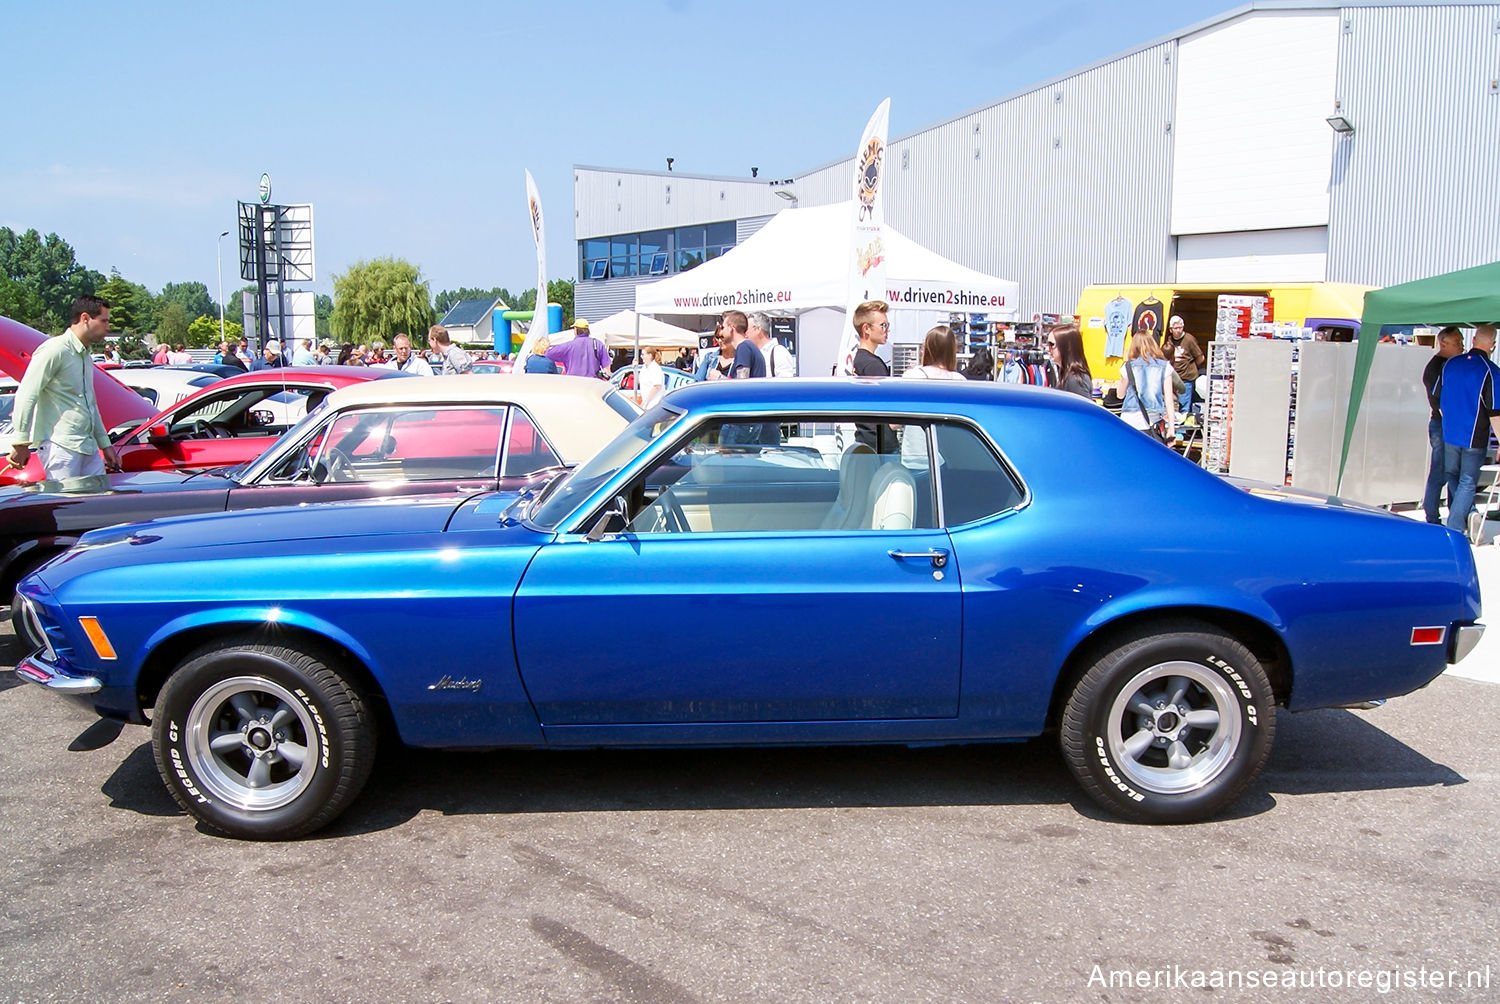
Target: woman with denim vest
[(1145, 386)]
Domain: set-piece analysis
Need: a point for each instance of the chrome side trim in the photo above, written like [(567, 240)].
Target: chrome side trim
[(34, 670), (1465, 637)]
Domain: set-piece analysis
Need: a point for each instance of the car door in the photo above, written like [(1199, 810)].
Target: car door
[(748, 589), (381, 452)]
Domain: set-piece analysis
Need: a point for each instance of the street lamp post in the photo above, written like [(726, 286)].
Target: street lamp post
[(219, 253)]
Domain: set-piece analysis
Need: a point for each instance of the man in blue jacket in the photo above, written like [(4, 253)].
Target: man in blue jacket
[(1466, 397)]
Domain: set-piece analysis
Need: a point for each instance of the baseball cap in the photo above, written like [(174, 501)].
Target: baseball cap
[(580, 325), (273, 345)]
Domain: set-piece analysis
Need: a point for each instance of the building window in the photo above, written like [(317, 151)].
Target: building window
[(654, 252)]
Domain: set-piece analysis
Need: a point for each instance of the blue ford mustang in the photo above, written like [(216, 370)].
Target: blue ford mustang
[(1017, 562)]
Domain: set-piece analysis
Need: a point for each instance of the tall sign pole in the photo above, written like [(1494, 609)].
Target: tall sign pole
[(263, 214)]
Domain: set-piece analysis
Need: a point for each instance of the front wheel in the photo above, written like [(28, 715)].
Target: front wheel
[(261, 741), (1170, 726)]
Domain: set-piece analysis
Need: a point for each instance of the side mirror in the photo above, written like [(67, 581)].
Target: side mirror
[(159, 432), (261, 418), (613, 520)]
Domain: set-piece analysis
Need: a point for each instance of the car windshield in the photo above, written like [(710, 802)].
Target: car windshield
[(549, 509), (253, 469)]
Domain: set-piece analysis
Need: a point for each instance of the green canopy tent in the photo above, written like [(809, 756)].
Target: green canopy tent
[(1468, 296)]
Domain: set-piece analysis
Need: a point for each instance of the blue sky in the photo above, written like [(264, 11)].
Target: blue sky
[(408, 126)]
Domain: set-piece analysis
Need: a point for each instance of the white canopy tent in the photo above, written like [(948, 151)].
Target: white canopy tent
[(797, 265), (618, 331)]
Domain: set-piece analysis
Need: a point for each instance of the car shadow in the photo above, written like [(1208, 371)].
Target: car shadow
[(1315, 752)]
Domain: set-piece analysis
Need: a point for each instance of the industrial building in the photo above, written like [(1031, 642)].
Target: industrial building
[(1277, 143)]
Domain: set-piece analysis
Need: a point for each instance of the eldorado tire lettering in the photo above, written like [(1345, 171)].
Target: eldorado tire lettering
[(322, 729), (1110, 771)]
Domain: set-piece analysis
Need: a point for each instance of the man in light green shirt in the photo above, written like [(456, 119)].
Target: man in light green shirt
[(55, 410)]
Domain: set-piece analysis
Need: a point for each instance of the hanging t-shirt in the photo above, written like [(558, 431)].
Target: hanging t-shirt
[(1148, 316), (1116, 325)]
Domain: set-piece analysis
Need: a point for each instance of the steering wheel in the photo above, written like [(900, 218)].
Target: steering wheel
[(337, 465), (671, 519), (204, 429)]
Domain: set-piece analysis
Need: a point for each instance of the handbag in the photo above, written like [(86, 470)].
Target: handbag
[(1159, 430)]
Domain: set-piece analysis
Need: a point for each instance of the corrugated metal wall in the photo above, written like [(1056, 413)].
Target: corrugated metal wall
[(1415, 191), (1057, 188), (621, 202)]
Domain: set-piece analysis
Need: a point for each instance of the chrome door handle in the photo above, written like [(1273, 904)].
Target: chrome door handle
[(938, 558)]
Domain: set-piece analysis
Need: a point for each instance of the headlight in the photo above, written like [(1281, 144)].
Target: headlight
[(34, 625)]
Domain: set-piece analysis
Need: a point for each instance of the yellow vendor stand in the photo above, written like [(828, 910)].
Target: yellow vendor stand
[(1330, 305)]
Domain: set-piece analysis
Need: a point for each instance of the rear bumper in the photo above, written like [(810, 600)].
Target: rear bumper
[(1462, 640)]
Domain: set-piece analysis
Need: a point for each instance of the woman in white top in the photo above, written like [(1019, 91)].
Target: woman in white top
[(939, 362), (650, 382)]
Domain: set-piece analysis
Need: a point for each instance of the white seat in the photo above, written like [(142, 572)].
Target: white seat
[(893, 498), (850, 510)]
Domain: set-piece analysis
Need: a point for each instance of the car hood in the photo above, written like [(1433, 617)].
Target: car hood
[(282, 524), (131, 483)]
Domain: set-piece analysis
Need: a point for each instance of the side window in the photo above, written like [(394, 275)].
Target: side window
[(975, 483), (257, 412), (526, 452), (426, 444), (777, 476)]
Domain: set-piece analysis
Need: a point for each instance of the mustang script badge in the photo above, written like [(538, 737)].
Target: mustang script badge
[(462, 683)]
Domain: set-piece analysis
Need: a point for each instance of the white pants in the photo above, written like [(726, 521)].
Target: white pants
[(61, 463)]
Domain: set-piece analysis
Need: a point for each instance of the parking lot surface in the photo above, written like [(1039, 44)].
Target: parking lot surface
[(959, 873)]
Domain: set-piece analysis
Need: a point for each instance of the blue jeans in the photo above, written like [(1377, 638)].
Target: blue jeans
[(1462, 464), (1185, 401), (1437, 473)]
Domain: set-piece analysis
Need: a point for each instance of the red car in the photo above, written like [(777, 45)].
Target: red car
[(225, 423)]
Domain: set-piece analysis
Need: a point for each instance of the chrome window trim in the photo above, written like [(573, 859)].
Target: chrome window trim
[(583, 515)]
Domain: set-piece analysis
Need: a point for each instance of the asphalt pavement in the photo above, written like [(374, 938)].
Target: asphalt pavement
[(1363, 858)]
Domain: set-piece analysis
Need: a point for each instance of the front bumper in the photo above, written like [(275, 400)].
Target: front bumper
[(36, 669)]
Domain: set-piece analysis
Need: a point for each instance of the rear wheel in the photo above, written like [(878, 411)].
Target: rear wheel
[(1170, 726), (260, 741)]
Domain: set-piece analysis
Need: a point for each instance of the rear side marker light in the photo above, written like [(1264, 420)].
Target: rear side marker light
[(97, 637), (1428, 635)]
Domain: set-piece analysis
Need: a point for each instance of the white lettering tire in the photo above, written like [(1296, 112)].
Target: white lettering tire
[(261, 742), (1171, 725)]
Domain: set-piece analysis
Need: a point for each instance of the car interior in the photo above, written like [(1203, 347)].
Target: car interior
[(805, 476)]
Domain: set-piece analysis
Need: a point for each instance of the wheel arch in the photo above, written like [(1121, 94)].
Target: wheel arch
[(170, 653), (1255, 634)]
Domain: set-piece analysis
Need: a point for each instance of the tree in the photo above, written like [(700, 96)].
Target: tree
[(48, 275), (448, 297), (204, 332), (173, 326), (322, 311), (132, 307), (560, 291), (378, 299), (192, 295), (234, 306)]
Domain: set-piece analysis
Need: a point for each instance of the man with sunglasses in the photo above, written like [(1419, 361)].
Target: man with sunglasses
[(873, 328)]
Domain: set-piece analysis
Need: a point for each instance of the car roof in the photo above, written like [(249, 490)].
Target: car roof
[(863, 392), (570, 410)]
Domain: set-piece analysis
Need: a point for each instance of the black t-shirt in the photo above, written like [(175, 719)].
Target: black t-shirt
[(868, 364), (881, 438), (748, 358), (1430, 376)]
